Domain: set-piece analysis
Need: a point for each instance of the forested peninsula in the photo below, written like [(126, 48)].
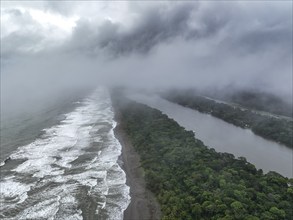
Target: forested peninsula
[(191, 181), (275, 129)]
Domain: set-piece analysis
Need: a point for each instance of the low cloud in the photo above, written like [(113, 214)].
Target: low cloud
[(206, 45)]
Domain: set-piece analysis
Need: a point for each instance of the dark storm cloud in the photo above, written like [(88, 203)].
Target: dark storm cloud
[(236, 29), (153, 26), (246, 28), (169, 44)]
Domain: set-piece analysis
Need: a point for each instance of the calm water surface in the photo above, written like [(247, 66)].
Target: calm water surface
[(225, 137)]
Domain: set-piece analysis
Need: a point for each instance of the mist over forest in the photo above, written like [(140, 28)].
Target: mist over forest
[(53, 48), (146, 110)]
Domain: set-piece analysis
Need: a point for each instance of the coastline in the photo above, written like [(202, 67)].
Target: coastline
[(143, 204)]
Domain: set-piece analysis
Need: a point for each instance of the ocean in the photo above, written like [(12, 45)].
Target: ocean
[(68, 170)]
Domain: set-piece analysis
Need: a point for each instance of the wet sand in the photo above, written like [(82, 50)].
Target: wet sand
[(143, 205)]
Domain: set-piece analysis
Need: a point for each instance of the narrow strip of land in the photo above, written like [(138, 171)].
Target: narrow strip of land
[(191, 181), (271, 128), (143, 205)]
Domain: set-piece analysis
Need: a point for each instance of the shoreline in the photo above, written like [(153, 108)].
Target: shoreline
[(143, 204)]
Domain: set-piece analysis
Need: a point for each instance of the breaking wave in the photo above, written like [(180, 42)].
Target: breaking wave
[(71, 171)]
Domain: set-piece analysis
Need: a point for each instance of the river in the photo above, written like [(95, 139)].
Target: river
[(225, 137)]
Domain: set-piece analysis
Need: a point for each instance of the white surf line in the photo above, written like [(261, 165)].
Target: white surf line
[(48, 157)]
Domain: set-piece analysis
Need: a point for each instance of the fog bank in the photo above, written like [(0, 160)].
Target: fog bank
[(50, 49)]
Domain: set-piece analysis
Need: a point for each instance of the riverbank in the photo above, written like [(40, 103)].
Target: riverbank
[(193, 181), (225, 137), (266, 126), (143, 204)]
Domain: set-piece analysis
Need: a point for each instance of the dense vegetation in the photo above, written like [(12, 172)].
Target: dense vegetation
[(191, 181), (276, 129), (252, 98), (261, 101)]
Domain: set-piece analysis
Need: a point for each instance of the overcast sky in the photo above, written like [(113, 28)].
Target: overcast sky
[(203, 44)]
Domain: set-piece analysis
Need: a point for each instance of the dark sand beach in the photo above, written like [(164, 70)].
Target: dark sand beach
[(143, 204)]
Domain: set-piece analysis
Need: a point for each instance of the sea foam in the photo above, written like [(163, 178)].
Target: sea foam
[(58, 173)]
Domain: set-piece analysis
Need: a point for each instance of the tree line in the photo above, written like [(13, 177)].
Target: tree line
[(191, 181), (275, 129)]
